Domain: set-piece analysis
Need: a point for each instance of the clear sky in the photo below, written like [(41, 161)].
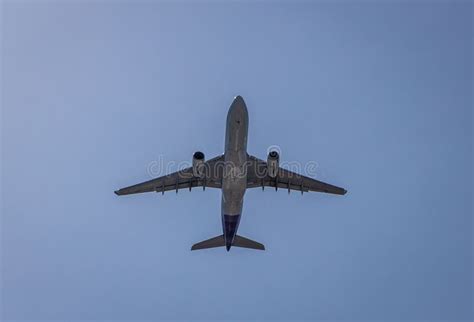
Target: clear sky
[(379, 95)]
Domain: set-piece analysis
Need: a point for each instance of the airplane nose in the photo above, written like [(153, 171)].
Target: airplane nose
[(238, 109), (239, 99), (239, 104)]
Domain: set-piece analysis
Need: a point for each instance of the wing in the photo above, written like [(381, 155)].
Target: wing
[(257, 177), (182, 179)]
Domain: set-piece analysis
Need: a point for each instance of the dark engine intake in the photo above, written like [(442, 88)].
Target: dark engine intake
[(273, 161), (198, 164)]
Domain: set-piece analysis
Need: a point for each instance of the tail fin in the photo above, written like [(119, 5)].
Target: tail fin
[(219, 241)]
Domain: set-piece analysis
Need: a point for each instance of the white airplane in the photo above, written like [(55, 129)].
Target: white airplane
[(233, 173)]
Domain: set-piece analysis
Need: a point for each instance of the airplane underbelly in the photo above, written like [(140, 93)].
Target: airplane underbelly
[(233, 191)]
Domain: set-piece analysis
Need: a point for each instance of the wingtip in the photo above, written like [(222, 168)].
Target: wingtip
[(117, 192)]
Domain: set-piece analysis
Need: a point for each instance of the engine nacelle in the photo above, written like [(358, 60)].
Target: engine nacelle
[(198, 164), (273, 161)]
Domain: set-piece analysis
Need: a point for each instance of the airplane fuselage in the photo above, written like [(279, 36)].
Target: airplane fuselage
[(234, 181), (233, 172)]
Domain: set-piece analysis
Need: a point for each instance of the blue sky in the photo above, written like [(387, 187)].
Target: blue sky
[(379, 95)]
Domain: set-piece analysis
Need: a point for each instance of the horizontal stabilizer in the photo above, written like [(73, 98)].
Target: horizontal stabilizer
[(219, 241), (240, 241)]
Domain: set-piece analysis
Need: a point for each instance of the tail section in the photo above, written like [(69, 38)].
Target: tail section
[(240, 241), (219, 241)]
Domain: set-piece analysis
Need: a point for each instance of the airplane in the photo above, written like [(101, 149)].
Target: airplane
[(233, 173)]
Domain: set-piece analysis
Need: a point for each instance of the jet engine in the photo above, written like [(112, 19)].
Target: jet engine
[(198, 164), (273, 164)]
